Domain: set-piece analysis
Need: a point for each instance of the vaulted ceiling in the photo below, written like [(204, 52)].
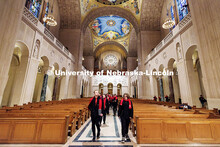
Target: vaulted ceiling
[(72, 12), (70, 15), (151, 14), (146, 14)]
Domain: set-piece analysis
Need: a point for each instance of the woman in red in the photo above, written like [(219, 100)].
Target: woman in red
[(125, 113), (105, 107)]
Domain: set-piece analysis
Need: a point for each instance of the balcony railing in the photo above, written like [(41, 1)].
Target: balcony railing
[(49, 34), (27, 15), (30, 16), (184, 23)]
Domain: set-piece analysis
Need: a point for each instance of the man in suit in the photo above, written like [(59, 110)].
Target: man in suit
[(96, 108)]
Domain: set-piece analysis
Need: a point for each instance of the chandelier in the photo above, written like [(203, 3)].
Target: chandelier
[(49, 20), (169, 23)]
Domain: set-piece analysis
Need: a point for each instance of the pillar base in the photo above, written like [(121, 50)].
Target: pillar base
[(213, 103)]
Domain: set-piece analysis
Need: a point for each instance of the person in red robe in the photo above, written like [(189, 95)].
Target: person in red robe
[(125, 113), (105, 108), (96, 108)]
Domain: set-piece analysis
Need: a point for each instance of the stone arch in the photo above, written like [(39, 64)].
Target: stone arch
[(174, 87), (110, 88), (16, 75), (190, 51), (43, 67), (46, 63), (101, 88), (110, 11), (194, 75), (170, 63), (56, 66), (110, 43), (161, 68), (23, 46), (119, 89)]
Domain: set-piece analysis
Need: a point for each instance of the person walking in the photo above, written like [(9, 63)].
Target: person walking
[(125, 113), (115, 104), (96, 108), (105, 108)]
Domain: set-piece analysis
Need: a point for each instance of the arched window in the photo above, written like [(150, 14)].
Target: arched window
[(182, 8), (45, 12)]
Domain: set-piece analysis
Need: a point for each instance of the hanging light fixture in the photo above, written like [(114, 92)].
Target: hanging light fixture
[(50, 20), (168, 23)]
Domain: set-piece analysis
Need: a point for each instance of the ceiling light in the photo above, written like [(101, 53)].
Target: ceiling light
[(49, 20), (169, 23)]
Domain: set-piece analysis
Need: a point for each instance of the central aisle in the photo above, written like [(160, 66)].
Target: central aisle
[(110, 134)]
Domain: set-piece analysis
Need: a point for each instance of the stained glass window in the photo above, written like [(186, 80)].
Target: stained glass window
[(34, 7), (172, 14), (182, 8), (45, 12)]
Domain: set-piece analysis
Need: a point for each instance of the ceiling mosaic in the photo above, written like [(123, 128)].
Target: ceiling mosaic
[(110, 27), (112, 2), (123, 41), (134, 6)]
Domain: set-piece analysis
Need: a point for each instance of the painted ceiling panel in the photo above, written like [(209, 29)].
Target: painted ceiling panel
[(134, 6), (110, 27)]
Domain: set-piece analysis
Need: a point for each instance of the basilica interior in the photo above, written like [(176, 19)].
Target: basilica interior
[(40, 37)]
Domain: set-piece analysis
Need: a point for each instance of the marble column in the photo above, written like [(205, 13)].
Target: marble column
[(171, 95), (63, 87), (55, 87), (161, 88), (11, 13), (73, 39), (44, 88)]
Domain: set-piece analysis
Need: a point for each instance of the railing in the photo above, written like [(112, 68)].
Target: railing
[(185, 21), (158, 47), (49, 34), (39, 27), (66, 51), (59, 44), (168, 37), (30, 16)]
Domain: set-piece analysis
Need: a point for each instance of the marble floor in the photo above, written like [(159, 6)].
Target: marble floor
[(110, 137)]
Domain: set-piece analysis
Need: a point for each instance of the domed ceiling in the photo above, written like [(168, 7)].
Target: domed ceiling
[(134, 6), (110, 27)]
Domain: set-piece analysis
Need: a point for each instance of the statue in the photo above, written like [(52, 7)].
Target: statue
[(36, 49), (179, 52)]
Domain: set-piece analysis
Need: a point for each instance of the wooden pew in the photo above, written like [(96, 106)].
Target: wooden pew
[(34, 130), (184, 130), (76, 109)]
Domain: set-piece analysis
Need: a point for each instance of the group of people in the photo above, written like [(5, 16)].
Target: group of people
[(99, 106), (167, 99), (202, 100)]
